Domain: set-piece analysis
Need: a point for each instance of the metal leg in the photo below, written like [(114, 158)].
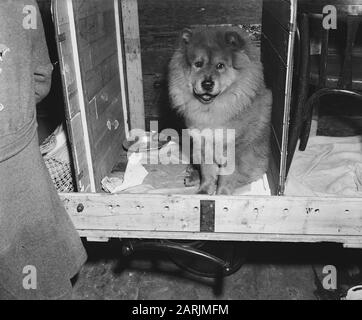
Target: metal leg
[(297, 125), (315, 118), (304, 136), (185, 254), (303, 88)]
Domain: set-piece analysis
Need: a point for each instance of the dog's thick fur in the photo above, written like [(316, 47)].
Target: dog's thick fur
[(237, 100)]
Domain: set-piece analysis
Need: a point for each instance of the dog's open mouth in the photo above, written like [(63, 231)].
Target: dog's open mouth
[(205, 97)]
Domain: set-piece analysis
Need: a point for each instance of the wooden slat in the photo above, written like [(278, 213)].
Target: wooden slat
[(67, 63), (106, 154), (72, 96), (61, 15), (280, 10), (177, 14), (86, 8), (85, 58), (132, 47), (73, 104), (110, 68), (302, 219), (99, 127), (275, 78), (277, 57), (288, 93), (95, 24), (276, 34), (98, 236), (89, 29), (76, 134), (108, 94), (93, 82), (274, 164), (103, 49)]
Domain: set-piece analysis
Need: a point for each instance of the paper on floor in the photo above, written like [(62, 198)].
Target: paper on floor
[(134, 175)]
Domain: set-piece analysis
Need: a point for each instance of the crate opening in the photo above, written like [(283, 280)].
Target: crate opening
[(114, 58)]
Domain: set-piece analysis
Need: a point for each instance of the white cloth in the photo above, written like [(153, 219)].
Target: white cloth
[(329, 166), (135, 175)]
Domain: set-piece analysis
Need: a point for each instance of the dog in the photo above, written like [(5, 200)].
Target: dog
[(216, 82)]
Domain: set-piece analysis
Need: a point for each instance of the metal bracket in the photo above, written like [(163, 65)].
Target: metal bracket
[(207, 215), (62, 37)]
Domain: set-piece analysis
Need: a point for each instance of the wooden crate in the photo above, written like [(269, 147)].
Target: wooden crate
[(99, 46)]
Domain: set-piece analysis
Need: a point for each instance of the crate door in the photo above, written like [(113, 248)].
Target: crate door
[(90, 55), (277, 44)]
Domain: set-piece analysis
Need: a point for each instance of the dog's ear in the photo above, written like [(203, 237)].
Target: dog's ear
[(186, 35), (234, 40)]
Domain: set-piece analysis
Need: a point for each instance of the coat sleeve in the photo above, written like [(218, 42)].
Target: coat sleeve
[(42, 66)]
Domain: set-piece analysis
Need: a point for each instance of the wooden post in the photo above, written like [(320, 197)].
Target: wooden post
[(132, 46)]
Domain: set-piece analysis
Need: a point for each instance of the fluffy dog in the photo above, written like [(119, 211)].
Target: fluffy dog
[(216, 82)]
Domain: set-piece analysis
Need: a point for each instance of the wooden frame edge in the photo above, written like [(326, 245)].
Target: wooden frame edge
[(237, 218)]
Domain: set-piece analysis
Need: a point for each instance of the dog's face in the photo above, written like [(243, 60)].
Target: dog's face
[(213, 60)]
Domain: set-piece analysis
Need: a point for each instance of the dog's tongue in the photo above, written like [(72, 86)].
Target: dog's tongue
[(206, 97)]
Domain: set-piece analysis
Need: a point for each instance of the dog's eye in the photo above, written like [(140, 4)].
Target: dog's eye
[(220, 66), (199, 64)]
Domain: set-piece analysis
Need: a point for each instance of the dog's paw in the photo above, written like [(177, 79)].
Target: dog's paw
[(207, 188), (224, 191)]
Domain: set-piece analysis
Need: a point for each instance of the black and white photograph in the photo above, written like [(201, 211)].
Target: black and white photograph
[(180, 155)]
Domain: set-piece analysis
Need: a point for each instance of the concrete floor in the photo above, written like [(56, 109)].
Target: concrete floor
[(272, 272)]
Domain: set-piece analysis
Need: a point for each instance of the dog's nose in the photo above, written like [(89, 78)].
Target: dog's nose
[(208, 85)]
